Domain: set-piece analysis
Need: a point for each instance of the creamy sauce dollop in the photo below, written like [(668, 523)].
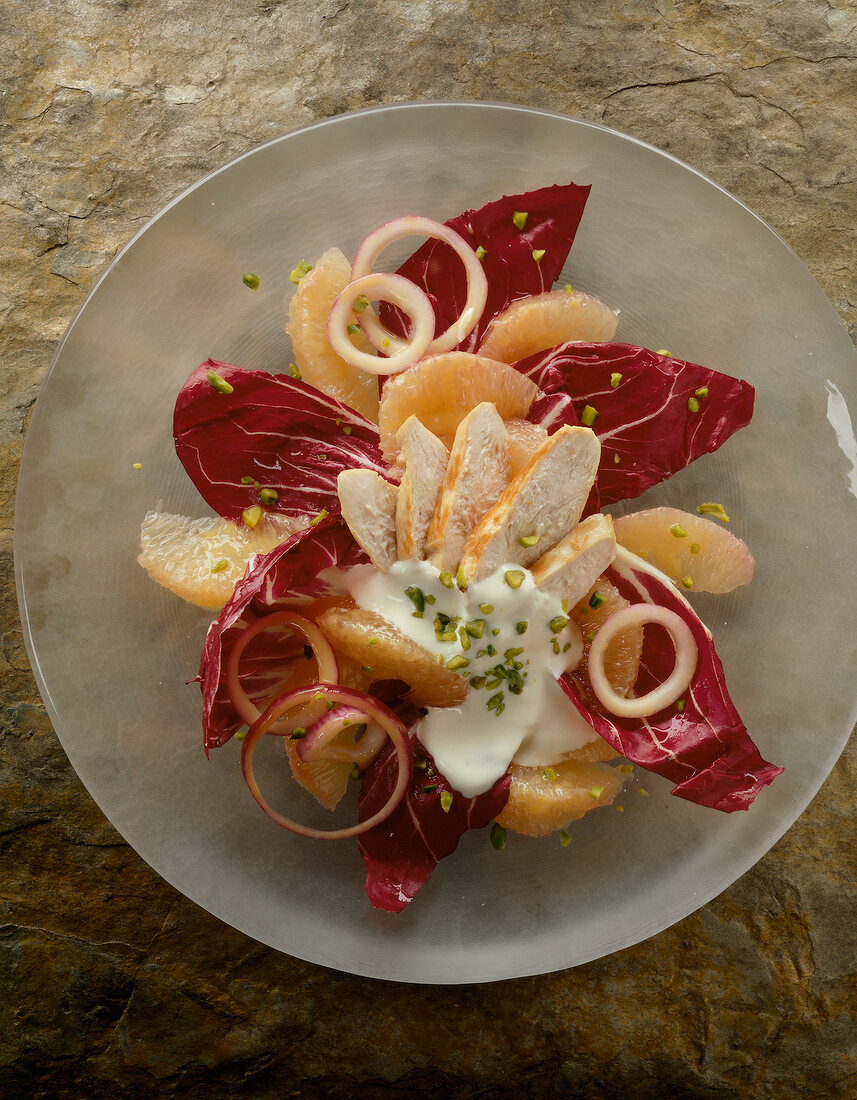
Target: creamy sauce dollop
[(532, 723)]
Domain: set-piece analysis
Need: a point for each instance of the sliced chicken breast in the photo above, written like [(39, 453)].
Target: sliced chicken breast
[(476, 475), (539, 506), (571, 568), (369, 508), (424, 459)]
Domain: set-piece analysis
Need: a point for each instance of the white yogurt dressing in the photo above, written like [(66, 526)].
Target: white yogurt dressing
[(473, 744)]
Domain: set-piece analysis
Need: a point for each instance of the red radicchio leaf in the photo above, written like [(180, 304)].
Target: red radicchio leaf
[(553, 215), (305, 567), (645, 419), (704, 749), (271, 428), (401, 853)]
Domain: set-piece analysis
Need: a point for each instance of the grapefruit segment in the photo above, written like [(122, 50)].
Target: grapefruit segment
[(622, 658), (542, 800), (545, 320)]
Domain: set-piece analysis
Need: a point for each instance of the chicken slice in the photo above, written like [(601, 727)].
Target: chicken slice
[(369, 508), (476, 475), (424, 459), (571, 568), (539, 506)]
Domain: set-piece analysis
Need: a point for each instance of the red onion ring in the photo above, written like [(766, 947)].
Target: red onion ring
[(664, 694), (388, 288), (477, 283), (374, 711), (319, 741), (328, 670)]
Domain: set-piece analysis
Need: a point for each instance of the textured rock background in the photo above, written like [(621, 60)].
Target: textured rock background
[(110, 982)]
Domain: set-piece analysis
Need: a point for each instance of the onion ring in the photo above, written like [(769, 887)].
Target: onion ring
[(375, 712), (477, 283), (402, 293), (328, 670), (319, 741), (664, 694)]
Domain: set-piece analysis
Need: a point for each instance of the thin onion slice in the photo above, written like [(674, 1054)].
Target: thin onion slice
[(400, 292), (477, 283), (373, 711), (328, 670), (320, 740), (665, 694)]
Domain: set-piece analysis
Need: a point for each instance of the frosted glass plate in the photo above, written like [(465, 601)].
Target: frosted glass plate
[(692, 270)]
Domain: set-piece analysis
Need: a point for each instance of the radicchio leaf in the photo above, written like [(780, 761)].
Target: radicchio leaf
[(401, 853), (645, 420), (704, 749), (553, 215), (273, 429), (304, 568)]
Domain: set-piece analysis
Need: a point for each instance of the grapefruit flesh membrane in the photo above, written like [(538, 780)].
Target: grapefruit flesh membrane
[(525, 439), (622, 658), (441, 390), (201, 560), (545, 320), (318, 363), (375, 643), (540, 804), (712, 557)]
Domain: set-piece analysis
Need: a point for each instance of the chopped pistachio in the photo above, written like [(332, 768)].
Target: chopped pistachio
[(495, 632), (695, 548), (495, 701), (643, 793), (352, 330), (693, 405), (249, 480), (519, 219), (367, 668), (457, 662), (461, 580), (565, 605), (716, 510), (566, 647), (464, 638), (687, 582), (475, 628), (251, 516), (355, 772), (317, 519), (360, 303), (538, 253), (555, 646), (481, 253), (347, 430), (478, 681), (596, 792), (514, 578), (564, 838), (250, 280), (241, 734), (446, 580), (620, 809), (491, 651), (297, 273), (677, 530), (663, 351), (615, 379), (679, 705), (415, 595), (373, 641), (269, 496), (521, 628), (596, 600), (421, 764), (498, 837), (568, 288), (626, 769), (446, 801), (298, 733), (429, 787), (486, 608), (294, 371), (385, 343), (528, 540), (218, 383), (702, 391), (588, 416), (138, 465), (511, 653), (558, 623), (615, 459), (550, 775), (220, 566)]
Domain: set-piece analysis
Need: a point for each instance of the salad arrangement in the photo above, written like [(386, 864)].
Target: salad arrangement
[(433, 602)]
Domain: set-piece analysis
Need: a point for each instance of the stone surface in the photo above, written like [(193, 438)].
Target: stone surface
[(113, 984)]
